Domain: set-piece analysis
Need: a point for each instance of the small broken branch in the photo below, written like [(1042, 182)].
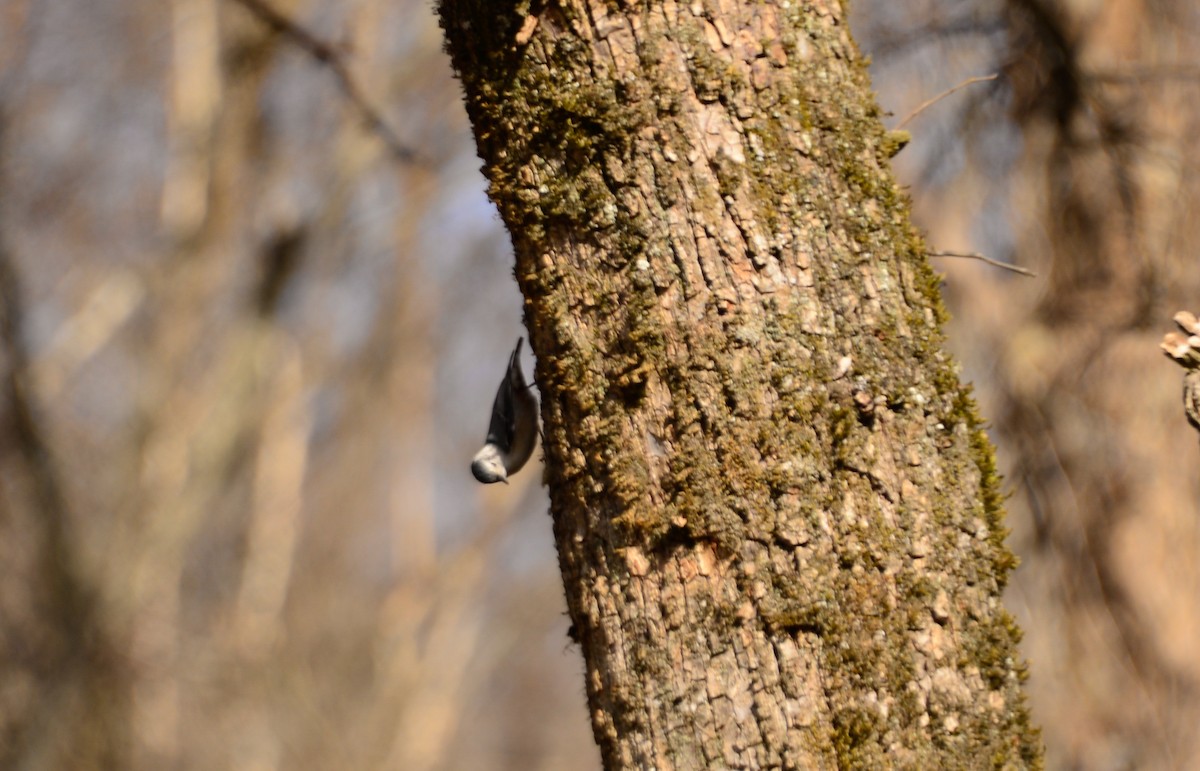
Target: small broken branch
[(1185, 351), (988, 260), (934, 100), (329, 56)]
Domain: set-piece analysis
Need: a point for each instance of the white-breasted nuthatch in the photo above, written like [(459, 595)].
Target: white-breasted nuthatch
[(513, 429)]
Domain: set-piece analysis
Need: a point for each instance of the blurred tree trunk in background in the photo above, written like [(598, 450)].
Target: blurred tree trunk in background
[(777, 515), (1079, 163), (1106, 99), (217, 395), (60, 665)]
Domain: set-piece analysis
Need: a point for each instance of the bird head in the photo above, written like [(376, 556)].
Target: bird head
[(488, 467)]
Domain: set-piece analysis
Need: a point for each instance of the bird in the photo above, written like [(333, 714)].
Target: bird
[(513, 429)]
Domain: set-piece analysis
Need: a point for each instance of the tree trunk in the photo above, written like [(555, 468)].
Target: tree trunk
[(777, 514)]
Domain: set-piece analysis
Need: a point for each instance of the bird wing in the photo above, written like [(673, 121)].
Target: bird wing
[(503, 425)]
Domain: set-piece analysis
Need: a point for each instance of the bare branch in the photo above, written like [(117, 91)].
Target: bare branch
[(329, 56), (934, 100), (988, 260)]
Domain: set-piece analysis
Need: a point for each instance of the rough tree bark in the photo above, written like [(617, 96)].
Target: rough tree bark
[(777, 514)]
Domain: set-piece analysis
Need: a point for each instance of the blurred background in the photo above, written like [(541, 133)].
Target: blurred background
[(254, 306)]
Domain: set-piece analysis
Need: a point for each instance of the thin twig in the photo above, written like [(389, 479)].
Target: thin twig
[(329, 56), (988, 260), (930, 102)]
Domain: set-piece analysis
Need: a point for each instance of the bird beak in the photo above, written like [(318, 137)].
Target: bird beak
[(505, 481)]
